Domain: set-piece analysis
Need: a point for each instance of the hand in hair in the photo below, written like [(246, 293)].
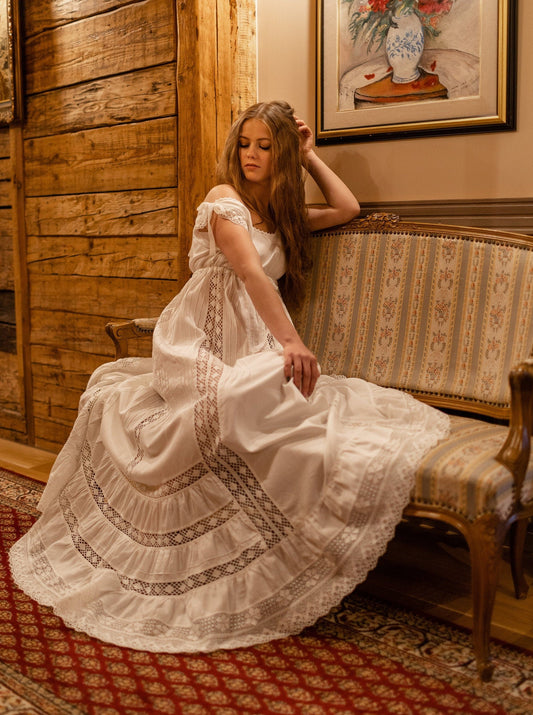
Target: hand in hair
[(306, 139)]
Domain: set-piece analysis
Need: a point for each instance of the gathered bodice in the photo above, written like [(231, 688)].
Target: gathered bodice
[(205, 253)]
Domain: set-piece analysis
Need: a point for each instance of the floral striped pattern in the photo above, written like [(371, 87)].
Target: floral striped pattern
[(442, 315)]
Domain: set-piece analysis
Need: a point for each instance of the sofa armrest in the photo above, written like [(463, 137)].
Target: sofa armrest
[(516, 449), (121, 333)]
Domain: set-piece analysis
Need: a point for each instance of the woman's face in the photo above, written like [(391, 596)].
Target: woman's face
[(255, 151)]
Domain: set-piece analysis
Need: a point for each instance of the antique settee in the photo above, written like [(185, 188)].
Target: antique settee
[(445, 313)]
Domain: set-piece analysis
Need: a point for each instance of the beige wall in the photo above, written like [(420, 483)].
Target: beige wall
[(476, 166)]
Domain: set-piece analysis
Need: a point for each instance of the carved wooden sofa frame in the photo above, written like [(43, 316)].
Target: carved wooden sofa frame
[(445, 313)]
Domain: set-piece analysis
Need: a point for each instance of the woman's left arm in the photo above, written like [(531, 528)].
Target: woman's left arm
[(341, 205)]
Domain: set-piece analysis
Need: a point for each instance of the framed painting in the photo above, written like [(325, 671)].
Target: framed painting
[(388, 69), (10, 64)]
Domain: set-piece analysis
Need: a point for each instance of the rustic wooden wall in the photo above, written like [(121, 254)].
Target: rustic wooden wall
[(100, 149), (115, 110), (12, 423)]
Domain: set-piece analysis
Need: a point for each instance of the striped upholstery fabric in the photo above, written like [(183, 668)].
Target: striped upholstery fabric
[(438, 314), (428, 312), (462, 474)]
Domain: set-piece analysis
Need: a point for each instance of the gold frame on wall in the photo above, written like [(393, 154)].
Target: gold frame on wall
[(10, 62), (350, 70)]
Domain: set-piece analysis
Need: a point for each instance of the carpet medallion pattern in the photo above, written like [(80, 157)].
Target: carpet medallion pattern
[(365, 656)]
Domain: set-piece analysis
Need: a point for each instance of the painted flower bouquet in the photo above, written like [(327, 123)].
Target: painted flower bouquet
[(372, 19)]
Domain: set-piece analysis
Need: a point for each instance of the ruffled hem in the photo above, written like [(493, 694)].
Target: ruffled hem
[(342, 564)]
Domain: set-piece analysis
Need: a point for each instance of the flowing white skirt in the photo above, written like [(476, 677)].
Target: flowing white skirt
[(201, 502), (252, 531)]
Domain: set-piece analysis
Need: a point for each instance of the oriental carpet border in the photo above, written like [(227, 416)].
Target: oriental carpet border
[(365, 656)]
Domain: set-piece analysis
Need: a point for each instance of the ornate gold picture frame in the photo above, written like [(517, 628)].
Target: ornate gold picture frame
[(389, 69), (10, 62)]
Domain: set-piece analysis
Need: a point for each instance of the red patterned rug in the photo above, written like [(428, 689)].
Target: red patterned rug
[(366, 656)]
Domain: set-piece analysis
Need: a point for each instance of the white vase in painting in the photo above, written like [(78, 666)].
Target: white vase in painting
[(404, 45)]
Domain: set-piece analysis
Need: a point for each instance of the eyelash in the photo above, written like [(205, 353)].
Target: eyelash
[(245, 146)]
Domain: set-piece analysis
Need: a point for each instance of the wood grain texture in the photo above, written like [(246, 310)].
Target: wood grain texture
[(132, 37), (5, 193), (500, 214), (10, 397), (244, 55), (20, 275), (5, 169), (42, 15), (127, 257), (104, 213), (204, 105), (131, 156), (7, 278), (132, 97), (12, 425), (4, 142), (51, 434), (99, 296), (72, 366), (118, 213)]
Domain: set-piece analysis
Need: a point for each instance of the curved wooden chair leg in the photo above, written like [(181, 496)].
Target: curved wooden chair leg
[(517, 535), (485, 539)]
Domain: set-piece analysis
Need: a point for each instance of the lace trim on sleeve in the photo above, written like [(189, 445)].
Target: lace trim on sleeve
[(233, 210), (226, 207)]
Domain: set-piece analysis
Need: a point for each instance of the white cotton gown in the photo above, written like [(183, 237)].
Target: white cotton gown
[(201, 502)]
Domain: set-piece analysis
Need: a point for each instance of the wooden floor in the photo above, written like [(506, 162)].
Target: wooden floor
[(24, 460), (425, 568)]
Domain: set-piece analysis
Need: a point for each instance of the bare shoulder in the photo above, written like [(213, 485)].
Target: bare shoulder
[(222, 191)]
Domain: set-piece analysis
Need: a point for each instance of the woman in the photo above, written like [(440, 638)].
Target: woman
[(221, 493)]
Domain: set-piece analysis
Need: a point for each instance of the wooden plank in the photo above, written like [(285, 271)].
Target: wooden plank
[(20, 274), (4, 142), (72, 366), (51, 435), (203, 111), (22, 459), (7, 281), (76, 344), (10, 396), (12, 425), (54, 401), (5, 169), (6, 225), (132, 156), (73, 332), (131, 37), (42, 15), (127, 213), (128, 257), (244, 56), (120, 297), (5, 194), (132, 97)]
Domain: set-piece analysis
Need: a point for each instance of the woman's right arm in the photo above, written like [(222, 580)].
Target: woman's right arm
[(236, 244)]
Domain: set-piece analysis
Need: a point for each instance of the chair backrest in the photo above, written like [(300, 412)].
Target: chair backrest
[(440, 311)]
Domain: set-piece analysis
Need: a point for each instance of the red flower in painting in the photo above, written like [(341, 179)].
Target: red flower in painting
[(370, 20), (378, 5), (435, 7)]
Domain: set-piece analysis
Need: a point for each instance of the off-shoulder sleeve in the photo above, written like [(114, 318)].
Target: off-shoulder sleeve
[(226, 207)]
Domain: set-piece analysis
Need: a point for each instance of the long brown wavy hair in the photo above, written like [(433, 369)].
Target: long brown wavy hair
[(286, 209)]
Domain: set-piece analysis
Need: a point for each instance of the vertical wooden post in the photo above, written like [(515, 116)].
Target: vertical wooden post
[(244, 55), (204, 108), (215, 79), (20, 269)]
